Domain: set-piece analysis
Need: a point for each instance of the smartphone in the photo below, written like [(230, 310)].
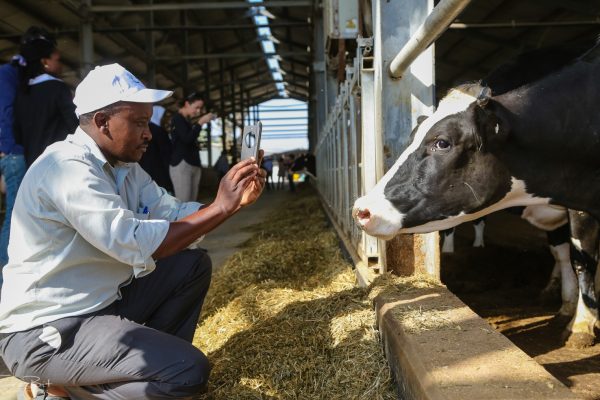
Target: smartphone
[(251, 141)]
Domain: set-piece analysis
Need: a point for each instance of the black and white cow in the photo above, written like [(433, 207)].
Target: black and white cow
[(536, 144)]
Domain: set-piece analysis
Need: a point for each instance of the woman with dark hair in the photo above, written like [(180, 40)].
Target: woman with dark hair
[(44, 111), (185, 169)]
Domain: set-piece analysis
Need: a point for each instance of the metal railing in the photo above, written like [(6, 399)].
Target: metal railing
[(347, 158)]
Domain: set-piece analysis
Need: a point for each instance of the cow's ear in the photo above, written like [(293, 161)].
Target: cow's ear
[(484, 96), (420, 119), (492, 130)]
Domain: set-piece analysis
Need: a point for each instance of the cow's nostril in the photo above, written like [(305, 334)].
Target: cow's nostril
[(363, 214)]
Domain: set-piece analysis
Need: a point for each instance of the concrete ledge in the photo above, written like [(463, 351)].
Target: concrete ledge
[(438, 348)]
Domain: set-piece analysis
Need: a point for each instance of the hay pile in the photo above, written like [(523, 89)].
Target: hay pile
[(284, 320)]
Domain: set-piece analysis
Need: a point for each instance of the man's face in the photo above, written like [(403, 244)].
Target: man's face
[(128, 132)]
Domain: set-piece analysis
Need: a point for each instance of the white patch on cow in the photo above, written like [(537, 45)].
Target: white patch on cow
[(479, 228), (576, 243), (564, 277), (545, 217), (517, 196), (448, 244), (584, 319), (384, 217), (497, 128), (455, 102)]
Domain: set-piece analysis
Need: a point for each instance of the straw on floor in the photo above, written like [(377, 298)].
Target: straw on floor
[(284, 318)]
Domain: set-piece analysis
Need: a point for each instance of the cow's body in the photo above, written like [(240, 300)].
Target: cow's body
[(536, 144)]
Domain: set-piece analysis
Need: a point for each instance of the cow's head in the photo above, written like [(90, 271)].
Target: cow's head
[(449, 174)]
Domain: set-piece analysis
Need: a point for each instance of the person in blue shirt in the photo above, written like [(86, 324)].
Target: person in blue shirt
[(12, 161)]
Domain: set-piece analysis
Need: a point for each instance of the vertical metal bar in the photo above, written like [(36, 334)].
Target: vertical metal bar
[(372, 149), (234, 116), (186, 50), (397, 105), (222, 101), (353, 162), (206, 73), (344, 210), (242, 107), (86, 39), (150, 62)]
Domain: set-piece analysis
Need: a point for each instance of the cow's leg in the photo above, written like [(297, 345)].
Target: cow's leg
[(448, 240), (563, 277), (584, 257), (478, 226)]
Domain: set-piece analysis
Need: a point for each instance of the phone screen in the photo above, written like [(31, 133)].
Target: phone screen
[(251, 140)]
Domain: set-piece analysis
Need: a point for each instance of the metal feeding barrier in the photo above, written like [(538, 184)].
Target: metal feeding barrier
[(369, 125), (350, 162)]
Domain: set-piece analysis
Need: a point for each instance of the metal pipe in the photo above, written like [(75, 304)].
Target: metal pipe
[(433, 26), (213, 5), (515, 24)]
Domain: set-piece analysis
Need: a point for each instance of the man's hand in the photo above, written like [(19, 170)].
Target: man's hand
[(234, 185), (256, 186)]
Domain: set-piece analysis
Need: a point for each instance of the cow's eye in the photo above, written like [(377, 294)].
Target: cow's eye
[(441, 144)]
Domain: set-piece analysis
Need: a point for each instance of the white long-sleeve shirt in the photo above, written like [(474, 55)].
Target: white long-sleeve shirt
[(81, 229)]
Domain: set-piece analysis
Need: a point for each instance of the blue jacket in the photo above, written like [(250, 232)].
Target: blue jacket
[(9, 83)]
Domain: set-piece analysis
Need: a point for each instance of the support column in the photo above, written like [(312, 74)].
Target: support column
[(186, 50), (397, 104), (222, 101), (234, 117), (206, 73), (86, 39)]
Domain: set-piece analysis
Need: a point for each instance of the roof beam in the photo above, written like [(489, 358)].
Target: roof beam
[(233, 55), (205, 5)]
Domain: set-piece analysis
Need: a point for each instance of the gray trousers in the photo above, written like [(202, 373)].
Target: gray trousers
[(137, 348), (186, 180)]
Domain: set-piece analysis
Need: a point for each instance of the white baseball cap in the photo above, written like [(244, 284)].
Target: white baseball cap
[(109, 84)]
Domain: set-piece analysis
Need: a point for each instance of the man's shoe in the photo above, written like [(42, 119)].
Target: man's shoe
[(41, 393)]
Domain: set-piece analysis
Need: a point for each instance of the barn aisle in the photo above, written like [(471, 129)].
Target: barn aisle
[(224, 241)]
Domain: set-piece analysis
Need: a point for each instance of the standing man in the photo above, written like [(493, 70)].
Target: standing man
[(104, 286)]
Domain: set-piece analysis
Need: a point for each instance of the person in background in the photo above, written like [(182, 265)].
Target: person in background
[(105, 280), (185, 168), (281, 172), (267, 165), (12, 161), (44, 111), (290, 173), (222, 164), (155, 160)]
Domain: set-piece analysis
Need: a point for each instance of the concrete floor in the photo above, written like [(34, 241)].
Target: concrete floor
[(220, 243)]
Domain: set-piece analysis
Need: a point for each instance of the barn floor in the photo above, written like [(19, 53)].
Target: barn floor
[(502, 283)]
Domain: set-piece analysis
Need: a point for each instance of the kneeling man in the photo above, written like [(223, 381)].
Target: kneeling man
[(104, 283)]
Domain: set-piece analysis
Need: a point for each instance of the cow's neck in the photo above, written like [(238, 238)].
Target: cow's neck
[(554, 139)]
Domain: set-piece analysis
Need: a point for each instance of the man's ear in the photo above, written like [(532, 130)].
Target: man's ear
[(100, 121)]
